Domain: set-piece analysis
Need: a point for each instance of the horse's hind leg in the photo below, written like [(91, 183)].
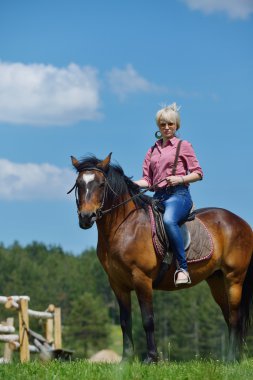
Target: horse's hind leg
[(234, 290), (216, 283), (144, 292), (227, 294)]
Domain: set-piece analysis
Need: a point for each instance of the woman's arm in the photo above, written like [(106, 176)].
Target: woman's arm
[(145, 181), (183, 179), (141, 183), (192, 177)]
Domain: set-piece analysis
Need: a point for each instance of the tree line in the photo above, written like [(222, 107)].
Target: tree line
[(188, 322)]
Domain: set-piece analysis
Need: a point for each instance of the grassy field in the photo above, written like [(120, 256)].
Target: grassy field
[(194, 370)]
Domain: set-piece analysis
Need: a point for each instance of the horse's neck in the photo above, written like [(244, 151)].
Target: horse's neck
[(110, 222)]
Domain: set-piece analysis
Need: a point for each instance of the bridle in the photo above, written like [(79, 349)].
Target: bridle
[(100, 212)]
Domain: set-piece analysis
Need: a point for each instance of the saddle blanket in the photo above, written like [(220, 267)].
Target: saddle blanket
[(198, 242)]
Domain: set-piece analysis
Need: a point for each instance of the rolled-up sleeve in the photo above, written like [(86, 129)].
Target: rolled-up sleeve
[(189, 156)]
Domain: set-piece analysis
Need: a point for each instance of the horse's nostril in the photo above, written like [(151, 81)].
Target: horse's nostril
[(87, 215), (93, 217), (84, 215)]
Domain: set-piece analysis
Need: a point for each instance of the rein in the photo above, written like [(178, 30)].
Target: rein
[(100, 213)]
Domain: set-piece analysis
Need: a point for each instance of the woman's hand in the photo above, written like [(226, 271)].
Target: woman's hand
[(175, 180)]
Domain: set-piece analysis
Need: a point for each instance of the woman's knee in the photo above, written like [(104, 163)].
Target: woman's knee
[(169, 221)]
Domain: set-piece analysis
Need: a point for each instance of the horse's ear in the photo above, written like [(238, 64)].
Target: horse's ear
[(105, 163), (75, 162)]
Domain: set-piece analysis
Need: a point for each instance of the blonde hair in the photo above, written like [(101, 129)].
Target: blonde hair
[(169, 113)]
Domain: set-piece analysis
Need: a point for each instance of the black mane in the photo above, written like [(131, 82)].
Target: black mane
[(118, 181)]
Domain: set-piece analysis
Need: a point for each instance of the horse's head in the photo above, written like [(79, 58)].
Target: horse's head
[(90, 188)]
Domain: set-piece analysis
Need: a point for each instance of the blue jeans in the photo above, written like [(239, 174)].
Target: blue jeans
[(177, 202)]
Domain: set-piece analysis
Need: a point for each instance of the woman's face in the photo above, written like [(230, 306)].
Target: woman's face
[(168, 129)]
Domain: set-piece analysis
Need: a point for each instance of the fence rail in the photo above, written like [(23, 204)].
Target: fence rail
[(21, 340)]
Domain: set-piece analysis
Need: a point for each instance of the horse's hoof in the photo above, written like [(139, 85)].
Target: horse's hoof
[(127, 359), (151, 360)]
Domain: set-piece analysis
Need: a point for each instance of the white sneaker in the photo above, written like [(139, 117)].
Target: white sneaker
[(181, 277)]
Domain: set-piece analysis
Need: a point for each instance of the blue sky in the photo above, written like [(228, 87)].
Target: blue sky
[(80, 77)]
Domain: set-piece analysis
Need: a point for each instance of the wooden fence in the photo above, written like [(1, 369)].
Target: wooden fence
[(46, 346)]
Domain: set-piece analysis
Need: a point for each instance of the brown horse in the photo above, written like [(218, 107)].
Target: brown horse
[(125, 250)]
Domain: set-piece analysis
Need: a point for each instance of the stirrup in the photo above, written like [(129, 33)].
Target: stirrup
[(185, 281)]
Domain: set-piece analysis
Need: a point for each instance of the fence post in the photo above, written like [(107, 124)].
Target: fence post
[(50, 325), (7, 349), (57, 328), (23, 331)]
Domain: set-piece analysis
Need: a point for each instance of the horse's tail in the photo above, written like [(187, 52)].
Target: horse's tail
[(245, 317)]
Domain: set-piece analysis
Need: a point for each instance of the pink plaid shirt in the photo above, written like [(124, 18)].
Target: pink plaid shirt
[(158, 164)]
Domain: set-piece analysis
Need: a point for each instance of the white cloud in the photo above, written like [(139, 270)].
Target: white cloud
[(33, 181), (127, 81), (39, 94), (43, 95), (236, 9)]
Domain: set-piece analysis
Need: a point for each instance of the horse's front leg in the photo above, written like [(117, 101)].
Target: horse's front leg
[(124, 301), (144, 292)]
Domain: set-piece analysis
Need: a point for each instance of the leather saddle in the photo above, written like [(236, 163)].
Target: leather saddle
[(158, 211)]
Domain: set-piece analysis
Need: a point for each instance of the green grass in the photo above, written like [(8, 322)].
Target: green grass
[(78, 370)]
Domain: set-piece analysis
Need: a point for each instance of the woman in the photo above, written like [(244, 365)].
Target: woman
[(173, 192)]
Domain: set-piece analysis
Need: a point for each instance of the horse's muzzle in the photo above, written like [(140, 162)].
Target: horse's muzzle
[(86, 219)]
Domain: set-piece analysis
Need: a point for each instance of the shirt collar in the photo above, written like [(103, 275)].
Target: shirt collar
[(172, 141)]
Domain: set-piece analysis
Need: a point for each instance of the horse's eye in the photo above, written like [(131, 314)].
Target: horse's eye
[(102, 184)]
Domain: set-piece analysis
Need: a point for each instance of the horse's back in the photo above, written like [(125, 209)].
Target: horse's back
[(223, 217), (231, 234)]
